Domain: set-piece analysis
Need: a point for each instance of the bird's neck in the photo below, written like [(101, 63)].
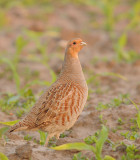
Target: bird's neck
[(72, 70)]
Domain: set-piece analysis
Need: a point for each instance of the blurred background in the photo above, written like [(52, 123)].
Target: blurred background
[(33, 37)]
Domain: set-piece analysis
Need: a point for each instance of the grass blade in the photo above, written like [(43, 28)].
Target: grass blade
[(10, 123), (133, 103), (138, 119), (116, 75), (77, 146)]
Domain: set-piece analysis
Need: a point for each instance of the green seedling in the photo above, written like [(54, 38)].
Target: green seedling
[(124, 98), (99, 90), (90, 91), (134, 126), (28, 138), (14, 71), (27, 73), (138, 115), (120, 121), (92, 139), (94, 79), (130, 135), (34, 36), (103, 121), (102, 106), (108, 8), (22, 104), (63, 135), (134, 135), (43, 137), (12, 64), (20, 112), (125, 134), (131, 153), (16, 77), (97, 150), (122, 54), (3, 18), (20, 44), (133, 16), (95, 60), (3, 156), (113, 144), (79, 156), (116, 102)]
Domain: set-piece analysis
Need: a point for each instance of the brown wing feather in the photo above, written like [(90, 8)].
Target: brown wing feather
[(53, 104), (52, 107)]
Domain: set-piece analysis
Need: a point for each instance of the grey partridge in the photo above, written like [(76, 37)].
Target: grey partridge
[(61, 104)]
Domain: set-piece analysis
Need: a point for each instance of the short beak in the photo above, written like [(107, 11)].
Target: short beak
[(83, 44)]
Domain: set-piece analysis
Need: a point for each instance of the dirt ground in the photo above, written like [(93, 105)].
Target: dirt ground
[(76, 22)]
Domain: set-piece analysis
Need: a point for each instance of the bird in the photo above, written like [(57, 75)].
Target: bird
[(60, 105)]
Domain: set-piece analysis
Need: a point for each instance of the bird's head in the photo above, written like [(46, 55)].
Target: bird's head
[(74, 46)]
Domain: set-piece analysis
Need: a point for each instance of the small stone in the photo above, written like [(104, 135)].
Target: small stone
[(24, 151)]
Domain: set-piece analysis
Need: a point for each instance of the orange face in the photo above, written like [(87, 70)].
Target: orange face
[(74, 46)]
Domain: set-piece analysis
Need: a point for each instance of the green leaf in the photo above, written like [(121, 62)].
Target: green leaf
[(20, 43), (108, 158), (138, 119), (10, 123), (122, 41), (77, 146), (28, 93), (99, 144), (90, 139), (3, 157)]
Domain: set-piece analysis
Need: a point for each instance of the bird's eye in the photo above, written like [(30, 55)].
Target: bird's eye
[(74, 43)]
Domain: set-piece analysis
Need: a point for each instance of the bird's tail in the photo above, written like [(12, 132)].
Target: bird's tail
[(18, 127)]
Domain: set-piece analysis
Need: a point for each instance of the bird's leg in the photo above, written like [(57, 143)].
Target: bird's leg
[(47, 140), (57, 137)]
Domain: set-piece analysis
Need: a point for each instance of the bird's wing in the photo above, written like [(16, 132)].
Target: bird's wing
[(57, 102)]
